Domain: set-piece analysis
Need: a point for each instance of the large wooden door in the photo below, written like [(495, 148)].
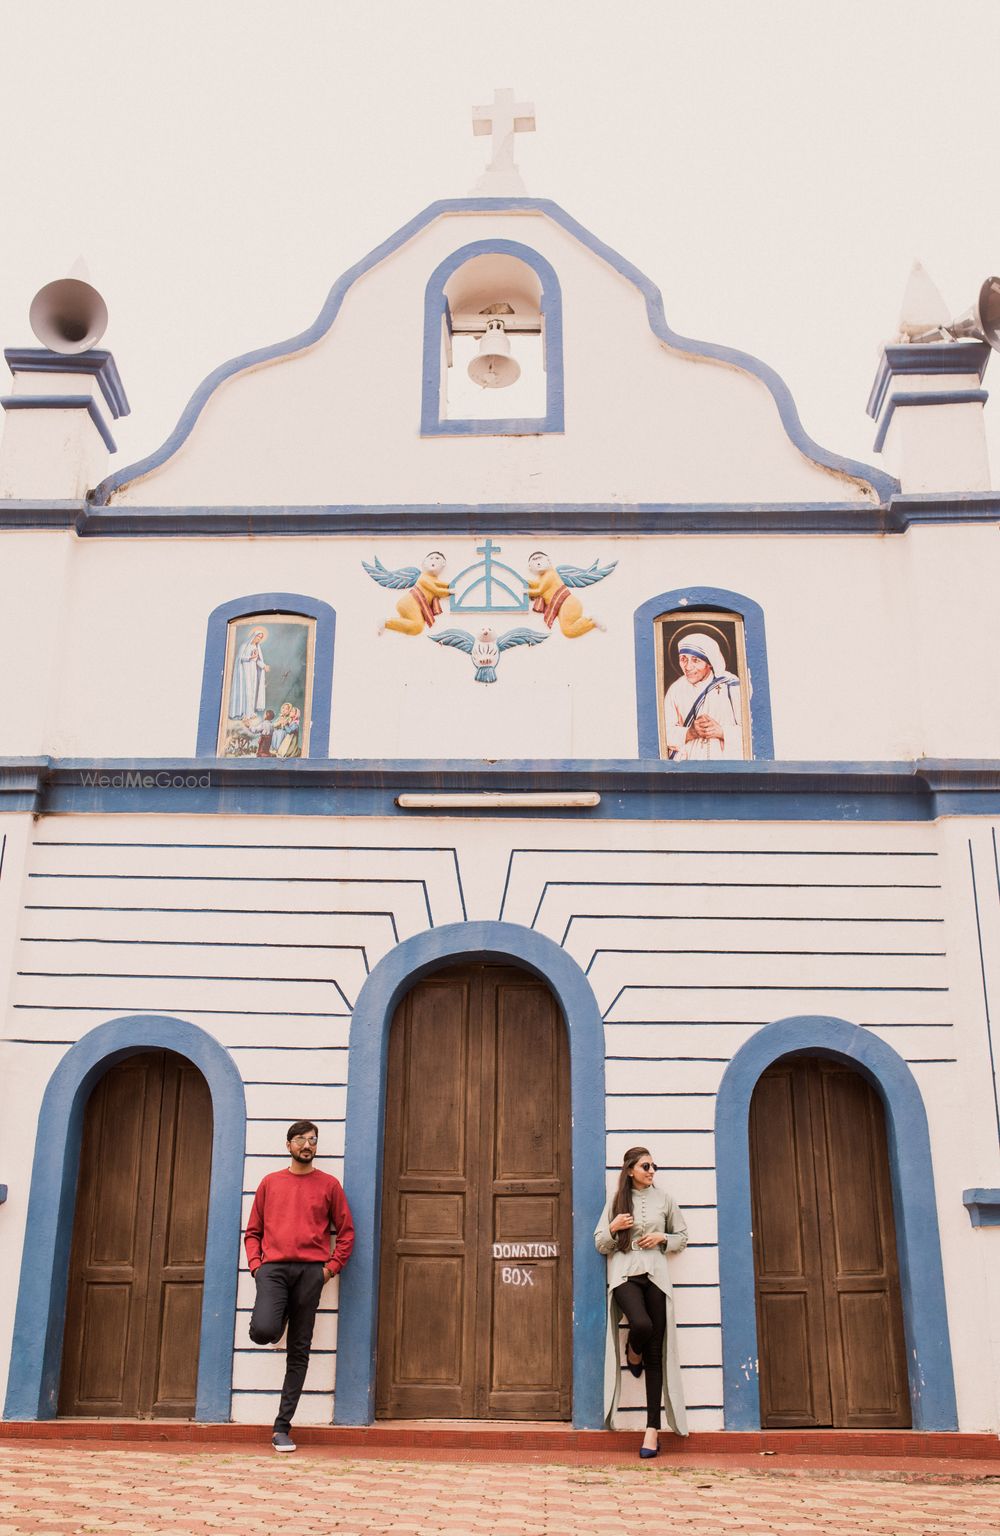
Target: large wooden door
[(829, 1317), (133, 1311), (476, 1293)]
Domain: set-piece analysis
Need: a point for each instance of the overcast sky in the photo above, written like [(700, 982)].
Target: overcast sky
[(775, 166)]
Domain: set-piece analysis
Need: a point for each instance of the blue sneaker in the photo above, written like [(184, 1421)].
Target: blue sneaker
[(281, 1441)]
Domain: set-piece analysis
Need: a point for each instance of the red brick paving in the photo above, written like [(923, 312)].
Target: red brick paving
[(87, 1490)]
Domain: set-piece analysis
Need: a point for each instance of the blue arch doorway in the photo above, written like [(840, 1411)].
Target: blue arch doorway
[(402, 968), (36, 1351), (925, 1317)]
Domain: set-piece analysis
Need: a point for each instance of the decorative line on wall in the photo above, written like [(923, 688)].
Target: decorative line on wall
[(982, 972), (216, 848)]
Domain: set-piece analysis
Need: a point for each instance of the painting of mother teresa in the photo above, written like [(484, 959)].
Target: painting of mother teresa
[(267, 686), (706, 714)]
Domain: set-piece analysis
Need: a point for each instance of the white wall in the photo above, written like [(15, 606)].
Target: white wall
[(341, 422), (879, 648), (694, 936)]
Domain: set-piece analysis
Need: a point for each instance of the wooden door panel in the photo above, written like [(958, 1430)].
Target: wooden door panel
[(794, 1380), (137, 1264), (431, 1215), (872, 1379), (526, 1066), (104, 1347), (426, 1343), (786, 1332), (853, 1154), (523, 1355), (434, 1087), (177, 1244), (109, 1258), (527, 1218), (476, 1153), (525, 1369), (818, 1145), (177, 1368)]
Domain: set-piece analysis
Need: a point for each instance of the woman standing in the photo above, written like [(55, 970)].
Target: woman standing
[(640, 1226)]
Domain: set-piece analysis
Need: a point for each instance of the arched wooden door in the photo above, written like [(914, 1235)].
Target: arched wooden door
[(476, 1289), (133, 1310), (829, 1315)]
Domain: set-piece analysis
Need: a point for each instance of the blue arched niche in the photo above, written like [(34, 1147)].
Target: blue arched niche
[(402, 968), (436, 314), (215, 663), (647, 700), (36, 1351), (925, 1317)]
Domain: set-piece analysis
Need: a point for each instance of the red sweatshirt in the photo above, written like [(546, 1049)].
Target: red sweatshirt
[(291, 1218)]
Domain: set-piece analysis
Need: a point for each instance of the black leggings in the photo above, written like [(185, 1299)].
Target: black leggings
[(645, 1308)]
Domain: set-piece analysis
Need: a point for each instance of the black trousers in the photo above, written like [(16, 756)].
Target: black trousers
[(645, 1309), (287, 1291)]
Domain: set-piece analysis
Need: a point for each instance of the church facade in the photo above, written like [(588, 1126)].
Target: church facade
[(502, 778)]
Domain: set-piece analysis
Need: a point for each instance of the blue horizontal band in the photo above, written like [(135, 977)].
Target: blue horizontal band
[(512, 518), (100, 365), (62, 403), (630, 789), (928, 397)]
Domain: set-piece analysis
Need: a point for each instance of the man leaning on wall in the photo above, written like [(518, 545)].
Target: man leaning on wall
[(295, 1213)]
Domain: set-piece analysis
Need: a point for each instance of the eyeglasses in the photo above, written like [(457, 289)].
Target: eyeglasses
[(647, 1167), (302, 1141)]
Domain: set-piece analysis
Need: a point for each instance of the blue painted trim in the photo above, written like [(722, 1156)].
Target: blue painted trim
[(36, 1350), (926, 358), (647, 701), (633, 790), (401, 969), (881, 484), (928, 397), (215, 664), (98, 364), (925, 1316), (983, 1206), (514, 518), (432, 422), (62, 403)]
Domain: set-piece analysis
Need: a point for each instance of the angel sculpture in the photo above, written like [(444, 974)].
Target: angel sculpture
[(424, 592), (548, 587), (486, 647)]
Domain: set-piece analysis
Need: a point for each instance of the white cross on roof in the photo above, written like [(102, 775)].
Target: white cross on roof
[(502, 120)]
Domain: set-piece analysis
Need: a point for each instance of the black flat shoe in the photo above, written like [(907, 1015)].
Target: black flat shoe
[(635, 1369)]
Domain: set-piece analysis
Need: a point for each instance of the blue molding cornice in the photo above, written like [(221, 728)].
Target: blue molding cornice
[(439, 519), (928, 359), (630, 789), (62, 403), (880, 484), (913, 397), (983, 1206), (99, 364)]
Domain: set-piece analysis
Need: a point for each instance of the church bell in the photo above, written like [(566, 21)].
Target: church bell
[(494, 368)]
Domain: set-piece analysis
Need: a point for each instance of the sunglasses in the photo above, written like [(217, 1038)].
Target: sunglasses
[(647, 1167)]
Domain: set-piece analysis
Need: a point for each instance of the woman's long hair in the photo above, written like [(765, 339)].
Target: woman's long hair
[(621, 1205)]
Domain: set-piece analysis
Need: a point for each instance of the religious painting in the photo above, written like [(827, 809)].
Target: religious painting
[(267, 686), (703, 684)]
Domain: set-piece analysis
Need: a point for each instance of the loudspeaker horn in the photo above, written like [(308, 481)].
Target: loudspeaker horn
[(982, 321), (494, 368), (68, 315)]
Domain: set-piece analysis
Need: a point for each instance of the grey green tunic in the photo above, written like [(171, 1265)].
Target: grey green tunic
[(654, 1211)]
